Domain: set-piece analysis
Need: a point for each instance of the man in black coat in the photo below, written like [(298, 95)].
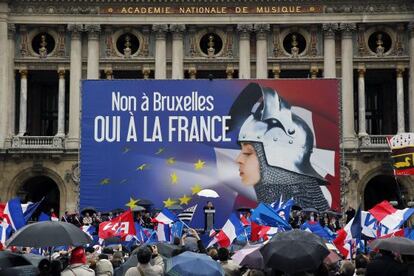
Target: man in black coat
[(384, 265)]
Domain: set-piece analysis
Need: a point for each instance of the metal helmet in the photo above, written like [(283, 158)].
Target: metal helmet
[(286, 138)]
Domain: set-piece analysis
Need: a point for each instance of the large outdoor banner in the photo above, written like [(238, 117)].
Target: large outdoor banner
[(248, 140)]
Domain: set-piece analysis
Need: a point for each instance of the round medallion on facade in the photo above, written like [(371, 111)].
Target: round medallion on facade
[(380, 43), (211, 44), (127, 44), (43, 44), (294, 43)]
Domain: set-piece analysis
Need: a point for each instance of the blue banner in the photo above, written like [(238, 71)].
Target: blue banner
[(165, 141)]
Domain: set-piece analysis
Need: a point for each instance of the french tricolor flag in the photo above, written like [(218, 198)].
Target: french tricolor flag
[(163, 232), (89, 230), (14, 214), (231, 229), (166, 217), (389, 216)]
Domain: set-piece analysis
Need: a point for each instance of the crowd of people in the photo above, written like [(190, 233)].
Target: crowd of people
[(118, 259)]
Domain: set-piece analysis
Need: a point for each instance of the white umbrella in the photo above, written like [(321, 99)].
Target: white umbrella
[(208, 193)]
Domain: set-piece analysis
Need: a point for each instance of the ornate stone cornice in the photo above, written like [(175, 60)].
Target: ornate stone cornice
[(329, 29), (244, 30), (160, 30), (347, 29), (177, 30), (75, 30), (93, 30)]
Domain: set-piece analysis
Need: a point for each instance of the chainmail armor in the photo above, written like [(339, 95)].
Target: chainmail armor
[(275, 182)]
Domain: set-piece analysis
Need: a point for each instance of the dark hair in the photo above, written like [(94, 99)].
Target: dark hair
[(360, 261), (108, 250), (103, 257), (144, 255), (44, 266), (223, 254), (89, 249), (55, 267), (176, 240)]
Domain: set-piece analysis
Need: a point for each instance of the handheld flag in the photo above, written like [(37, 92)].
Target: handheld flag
[(187, 214), (265, 215), (14, 214), (122, 226), (166, 217), (231, 229), (389, 216)]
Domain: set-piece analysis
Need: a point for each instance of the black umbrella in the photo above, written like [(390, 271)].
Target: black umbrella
[(145, 202), (333, 213), (89, 210), (48, 234), (15, 264), (294, 251), (401, 245), (167, 249)]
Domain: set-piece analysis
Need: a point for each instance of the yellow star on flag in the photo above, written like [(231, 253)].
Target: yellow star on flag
[(171, 161), (132, 203), (126, 150), (195, 189), (184, 199), (169, 202), (174, 178), (105, 181), (199, 165), (142, 167)]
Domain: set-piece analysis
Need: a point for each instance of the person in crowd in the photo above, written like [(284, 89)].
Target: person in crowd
[(229, 267), (156, 259), (104, 268), (347, 269), (384, 264), (276, 148), (77, 264), (55, 268), (213, 253), (117, 259), (350, 213), (361, 262), (144, 267), (44, 267), (87, 219)]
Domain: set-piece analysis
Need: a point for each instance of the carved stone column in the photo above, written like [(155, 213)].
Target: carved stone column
[(329, 61), (61, 103), (411, 79), (177, 51), (74, 90), (4, 70), (11, 35), (23, 102), (261, 50), (93, 51), (361, 101), (160, 51), (244, 50), (348, 130), (400, 99)]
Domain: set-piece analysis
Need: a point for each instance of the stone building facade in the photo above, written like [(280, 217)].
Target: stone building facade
[(48, 46)]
